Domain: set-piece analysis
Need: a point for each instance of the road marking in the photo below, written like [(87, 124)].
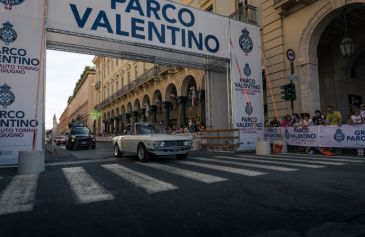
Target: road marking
[(79, 162), (323, 158), (204, 178), (255, 159), (300, 160), (148, 183), (361, 158), (224, 168), (269, 167), (85, 188), (19, 195)]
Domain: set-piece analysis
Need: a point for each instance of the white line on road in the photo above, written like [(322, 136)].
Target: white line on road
[(323, 158), (79, 162), (204, 178), (224, 168), (19, 195), (256, 159), (295, 159), (85, 188), (360, 158), (148, 183), (269, 167)]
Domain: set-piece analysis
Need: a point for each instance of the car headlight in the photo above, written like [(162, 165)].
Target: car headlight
[(159, 144), (187, 143)]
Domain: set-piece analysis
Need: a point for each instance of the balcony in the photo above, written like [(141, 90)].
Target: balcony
[(152, 74), (247, 13), (292, 4)]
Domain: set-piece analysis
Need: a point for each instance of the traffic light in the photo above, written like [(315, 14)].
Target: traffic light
[(291, 91), (285, 92), (288, 92)]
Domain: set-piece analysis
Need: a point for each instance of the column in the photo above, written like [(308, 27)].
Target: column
[(181, 100), (105, 126), (135, 116), (143, 115), (111, 130), (154, 113), (202, 107), (117, 128), (128, 118), (166, 108)]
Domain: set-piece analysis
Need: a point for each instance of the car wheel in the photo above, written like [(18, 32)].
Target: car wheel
[(117, 152), (182, 156), (93, 147), (142, 153)]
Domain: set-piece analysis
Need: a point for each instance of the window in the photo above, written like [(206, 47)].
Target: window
[(129, 76), (135, 72)]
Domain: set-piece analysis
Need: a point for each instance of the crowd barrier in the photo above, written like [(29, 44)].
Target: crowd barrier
[(344, 136)]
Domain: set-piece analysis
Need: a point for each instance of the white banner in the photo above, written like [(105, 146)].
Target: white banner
[(158, 23), (246, 85), (21, 77), (345, 136)]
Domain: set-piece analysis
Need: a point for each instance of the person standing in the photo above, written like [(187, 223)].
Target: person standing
[(362, 111), (355, 120), (318, 118), (333, 117)]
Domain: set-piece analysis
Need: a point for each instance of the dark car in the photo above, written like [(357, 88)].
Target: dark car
[(80, 137)]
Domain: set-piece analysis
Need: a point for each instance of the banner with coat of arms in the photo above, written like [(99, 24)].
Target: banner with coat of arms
[(22, 45), (246, 84), (345, 136)]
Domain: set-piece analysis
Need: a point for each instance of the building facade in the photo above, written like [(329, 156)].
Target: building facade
[(128, 91), (63, 125), (328, 67), (81, 104)]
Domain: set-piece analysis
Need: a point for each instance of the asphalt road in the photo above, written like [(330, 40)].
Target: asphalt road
[(210, 194)]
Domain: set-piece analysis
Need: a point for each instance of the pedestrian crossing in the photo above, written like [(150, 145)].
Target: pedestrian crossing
[(19, 194)]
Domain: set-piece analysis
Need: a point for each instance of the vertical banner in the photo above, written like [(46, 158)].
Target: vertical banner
[(22, 50), (246, 87)]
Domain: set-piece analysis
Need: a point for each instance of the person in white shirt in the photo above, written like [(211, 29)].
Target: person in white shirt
[(357, 119), (362, 111)]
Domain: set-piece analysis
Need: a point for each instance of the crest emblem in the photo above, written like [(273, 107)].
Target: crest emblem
[(247, 70), (339, 136), (10, 3), (6, 96), (287, 135), (7, 33), (248, 108), (246, 42)]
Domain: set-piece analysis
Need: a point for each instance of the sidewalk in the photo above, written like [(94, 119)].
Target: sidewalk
[(59, 154)]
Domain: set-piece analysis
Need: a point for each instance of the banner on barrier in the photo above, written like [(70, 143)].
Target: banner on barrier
[(21, 73), (345, 136)]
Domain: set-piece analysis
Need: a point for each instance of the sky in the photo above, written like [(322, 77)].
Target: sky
[(62, 72)]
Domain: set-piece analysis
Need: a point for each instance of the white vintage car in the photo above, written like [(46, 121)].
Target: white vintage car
[(144, 140)]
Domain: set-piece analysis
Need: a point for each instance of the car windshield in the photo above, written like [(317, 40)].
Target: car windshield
[(79, 130), (145, 129)]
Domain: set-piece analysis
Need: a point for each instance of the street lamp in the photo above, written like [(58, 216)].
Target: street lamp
[(347, 44)]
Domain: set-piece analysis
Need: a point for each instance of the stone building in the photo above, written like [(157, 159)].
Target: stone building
[(327, 37), (63, 125), (128, 91), (81, 104)]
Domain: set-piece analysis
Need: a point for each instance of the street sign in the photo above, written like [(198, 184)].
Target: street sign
[(290, 54), (292, 78)]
